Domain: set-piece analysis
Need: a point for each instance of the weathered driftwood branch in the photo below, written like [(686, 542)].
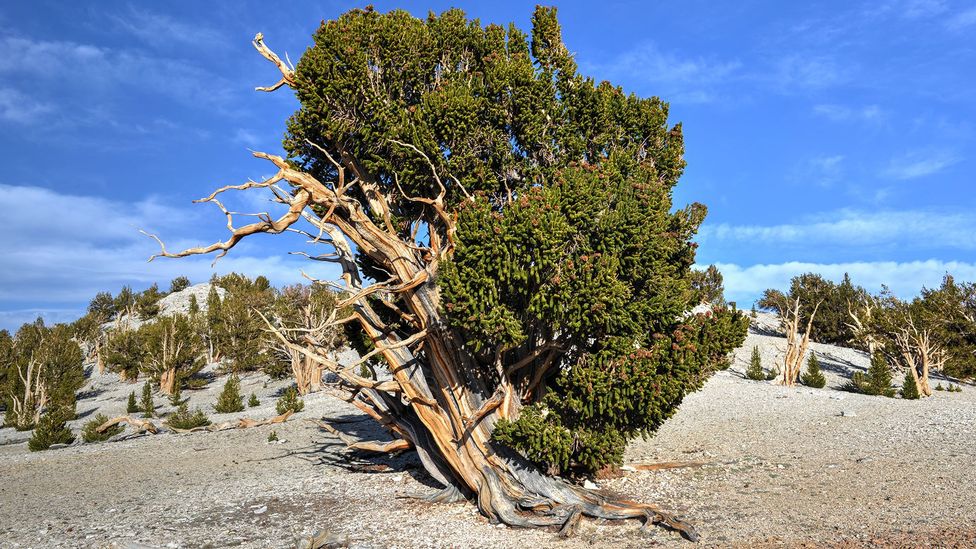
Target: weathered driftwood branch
[(140, 425)]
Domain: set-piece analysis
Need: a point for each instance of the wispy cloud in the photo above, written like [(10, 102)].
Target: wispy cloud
[(746, 283), (823, 171), (908, 9), (162, 31), (680, 78), (21, 109), (807, 72), (852, 228), (842, 113), (54, 263), (962, 20), (920, 163), (98, 70)]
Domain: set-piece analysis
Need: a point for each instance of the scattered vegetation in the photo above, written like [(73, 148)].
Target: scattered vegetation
[(131, 407), (755, 370), (51, 429), (289, 400), (877, 381), (253, 401), (182, 418), (148, 407), (230, 399), (89, 433), (273, 436), (909, 390), (813, 377)]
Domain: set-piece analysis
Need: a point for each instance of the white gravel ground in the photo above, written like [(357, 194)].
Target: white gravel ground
[(783, 467)]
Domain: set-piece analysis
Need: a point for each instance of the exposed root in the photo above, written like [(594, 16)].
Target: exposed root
[(447, 495)]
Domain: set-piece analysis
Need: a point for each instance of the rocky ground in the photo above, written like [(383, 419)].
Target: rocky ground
[(781, 467)]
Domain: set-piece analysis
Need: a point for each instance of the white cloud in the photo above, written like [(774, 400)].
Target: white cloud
[(962, 20), (59, 249), (857, 228), (96, 69), (746, 283), (679, 78), (19, 108), (920, 163), (808, 72), (162, 31), (841, 113)]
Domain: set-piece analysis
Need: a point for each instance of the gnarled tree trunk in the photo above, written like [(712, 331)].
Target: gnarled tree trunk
[(437, 400)]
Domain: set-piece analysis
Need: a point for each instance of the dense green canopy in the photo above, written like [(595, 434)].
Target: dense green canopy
[(570, 263)]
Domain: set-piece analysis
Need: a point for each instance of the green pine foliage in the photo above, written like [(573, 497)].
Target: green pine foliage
[(570, 236), (182, 418), (131, 406), (289, 400), (273, 436), (877, 380), (89, 433), (125, 352), (772, 374), (147, 302), (707, 286), (51, 429), (909, 390), (176, 397), (755, 370), (171, 343), (148, 407), (813, 377), (179, 284), (230, 399), (50, 361), (831, 323), (253, 401)]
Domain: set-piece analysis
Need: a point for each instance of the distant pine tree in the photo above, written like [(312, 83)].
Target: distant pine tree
[(909, 391), (176, 397), (131, 407), (289, 401), (813, 377), (253, 401), (183, 419), (51, 429), (148, 406), (230, 399), (755, 370), (878, 379), (89, 432)]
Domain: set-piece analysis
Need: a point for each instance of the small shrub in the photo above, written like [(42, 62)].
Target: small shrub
[(230, 399), (772, 374), (148, 406), (176, 397), (939, 387), (89, 433), (253, 401), (273, 436), (909, 391), (813, 377), (183, 419), (755, 370), (876, 382), (131, 407), (289, 401), (51, 429)]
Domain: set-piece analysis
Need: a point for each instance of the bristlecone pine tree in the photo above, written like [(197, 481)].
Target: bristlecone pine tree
[(814, 376), (148, 406), (755, 369), (51, 429), (230, 400), (909, 389), (533, 278)]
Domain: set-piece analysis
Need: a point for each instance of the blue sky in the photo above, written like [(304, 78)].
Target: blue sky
[(823, 136)]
